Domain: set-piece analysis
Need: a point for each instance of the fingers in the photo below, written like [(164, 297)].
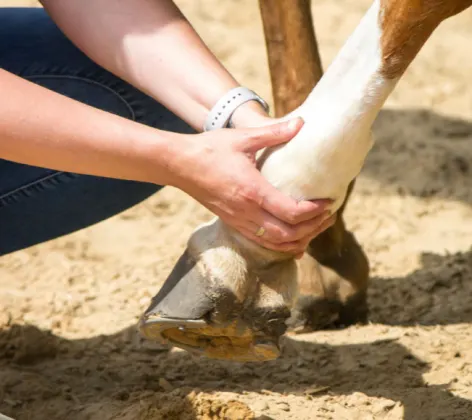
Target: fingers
[(288, 247), (289, 239), (296, 248), (301, 245), (279, 232), (268, 197), (330, 221), (289, 210), (273, 135), (310, 228)]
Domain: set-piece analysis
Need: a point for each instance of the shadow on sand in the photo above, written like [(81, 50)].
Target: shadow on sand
[(120, 376)]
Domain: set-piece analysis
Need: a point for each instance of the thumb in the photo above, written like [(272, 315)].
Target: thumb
[(271, 135)]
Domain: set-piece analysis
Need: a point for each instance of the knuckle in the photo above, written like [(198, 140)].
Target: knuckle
[(275, 130), (275, 239), (283, 235), (250, 193), (255, 136), (238, 203), (246, 194), (246, 139)]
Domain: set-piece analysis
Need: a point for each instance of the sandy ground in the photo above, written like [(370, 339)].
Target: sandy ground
[(68, 347)]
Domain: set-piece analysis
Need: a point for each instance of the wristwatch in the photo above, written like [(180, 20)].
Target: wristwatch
[(220, 115)]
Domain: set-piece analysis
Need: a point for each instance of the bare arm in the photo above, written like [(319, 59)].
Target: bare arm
[(215, 168), (87, 140), (151, 45)]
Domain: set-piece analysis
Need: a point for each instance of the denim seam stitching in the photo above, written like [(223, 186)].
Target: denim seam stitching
[(91, 81), (31, 184)]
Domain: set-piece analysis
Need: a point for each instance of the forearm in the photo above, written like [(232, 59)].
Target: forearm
[(42, 128), (151, 45)]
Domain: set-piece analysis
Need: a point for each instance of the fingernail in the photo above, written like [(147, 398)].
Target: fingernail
[(292, 125)]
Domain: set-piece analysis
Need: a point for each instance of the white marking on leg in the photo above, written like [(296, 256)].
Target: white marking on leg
[(329, 151)]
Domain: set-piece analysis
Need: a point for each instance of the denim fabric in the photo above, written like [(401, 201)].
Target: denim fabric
[(38, 204)]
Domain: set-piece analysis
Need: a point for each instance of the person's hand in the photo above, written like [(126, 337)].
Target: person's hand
[(218, 169)]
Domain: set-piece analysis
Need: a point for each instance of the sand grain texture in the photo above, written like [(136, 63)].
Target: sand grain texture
[(68, 349)]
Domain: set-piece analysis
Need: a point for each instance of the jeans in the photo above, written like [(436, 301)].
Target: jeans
[(38, 204)]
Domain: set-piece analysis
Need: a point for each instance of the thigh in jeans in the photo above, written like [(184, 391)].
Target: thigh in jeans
[(39, 204)]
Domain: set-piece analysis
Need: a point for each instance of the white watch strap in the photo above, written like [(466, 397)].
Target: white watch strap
[(220, 114)]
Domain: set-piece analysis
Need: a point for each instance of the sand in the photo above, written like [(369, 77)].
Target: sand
[(68, 345)]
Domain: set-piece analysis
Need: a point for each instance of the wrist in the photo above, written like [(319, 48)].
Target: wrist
[(250, 114), (238, 107), (156, 154)]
